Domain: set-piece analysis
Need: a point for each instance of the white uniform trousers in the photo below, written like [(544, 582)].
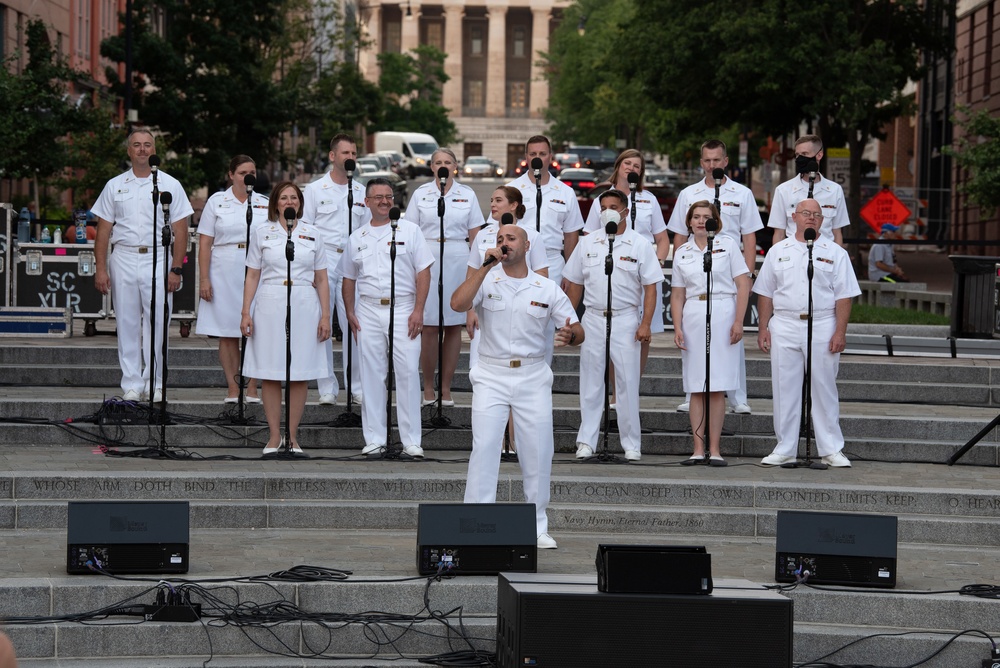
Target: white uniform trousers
[(374, 320), (556, 265), (625, 355), (788, 366), (328, 384), (527, 390), (132, 289)]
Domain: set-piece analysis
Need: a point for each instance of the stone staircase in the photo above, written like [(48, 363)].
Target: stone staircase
[(903, 417)]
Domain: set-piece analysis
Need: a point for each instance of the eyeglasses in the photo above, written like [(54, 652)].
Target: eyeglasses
[(810, 214), (380, 198)]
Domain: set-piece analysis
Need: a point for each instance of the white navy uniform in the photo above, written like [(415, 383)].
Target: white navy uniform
[(560, 215), (829, 194), (648, 222), (461, 215), (515, 316), (635, 266), (536, 259), (223, 224), (689, 273), (127, 203), (366, 260), (265, 357), (740, 216), (325, 206), (783, 278)]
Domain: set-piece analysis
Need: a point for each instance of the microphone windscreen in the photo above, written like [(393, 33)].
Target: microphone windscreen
[(442, 173), (154, 160), (611, 228), (809, 234), (507, 219), (812, 165), (633, 178), (394, 213), (349, 165), (166, 198), (536, 163), (718, 174), (289, 213), (250, 181), (712, 225)]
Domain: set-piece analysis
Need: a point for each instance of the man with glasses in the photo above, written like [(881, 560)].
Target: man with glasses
[(829, 194), (367, 267), (783, 306)]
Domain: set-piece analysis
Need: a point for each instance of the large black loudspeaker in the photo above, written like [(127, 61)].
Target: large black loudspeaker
[(127, 536), (476, 538), (654, 569), (563, 621), (836, 548)]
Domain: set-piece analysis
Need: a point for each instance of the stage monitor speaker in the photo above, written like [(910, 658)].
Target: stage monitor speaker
[(127, 536), (563, 621), (476, 538), (836, 548), (654, 569)]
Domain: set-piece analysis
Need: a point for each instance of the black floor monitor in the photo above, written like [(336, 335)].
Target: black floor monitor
[(127, 537)]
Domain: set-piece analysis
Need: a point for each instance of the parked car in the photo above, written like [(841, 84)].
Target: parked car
[(397, 181), (665, 195), (595, 157), (395, 160), (479, 166), (369, 164), (582, 181), (522, 167), (563, 161)]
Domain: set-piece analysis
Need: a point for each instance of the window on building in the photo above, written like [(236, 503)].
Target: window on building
[(435, 35), (3, 31), (518, 95), (394, 37), (520, 42), (158, 22), (83, 29), (477, 94), (476, 40), (109, 18)]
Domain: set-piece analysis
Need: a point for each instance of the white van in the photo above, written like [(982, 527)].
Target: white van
[(416, 148)]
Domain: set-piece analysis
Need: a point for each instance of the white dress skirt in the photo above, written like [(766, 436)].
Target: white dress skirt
[(265, 357), (221, 316), (456, 257), (725, 357)]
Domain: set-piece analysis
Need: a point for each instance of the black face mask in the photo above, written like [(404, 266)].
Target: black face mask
[(804, 165)]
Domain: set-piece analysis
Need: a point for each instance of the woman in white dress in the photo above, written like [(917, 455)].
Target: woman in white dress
[(730, 283), (222, 248), (462, 217), (265, 297)]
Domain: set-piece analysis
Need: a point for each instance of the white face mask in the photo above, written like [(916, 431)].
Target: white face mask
[(610, 216)]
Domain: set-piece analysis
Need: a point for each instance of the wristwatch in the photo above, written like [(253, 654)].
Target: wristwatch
[(176, 270)]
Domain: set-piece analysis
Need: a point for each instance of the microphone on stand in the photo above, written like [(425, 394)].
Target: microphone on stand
[(810, 236), (349, 167), (154, 164), (611, 228), (289, 216), (442, 178), (812, 167), (633, 183), (250, 181), (536, 168), (394, 216), (165, 200), (711, 226), (717, 175), (507, 219)]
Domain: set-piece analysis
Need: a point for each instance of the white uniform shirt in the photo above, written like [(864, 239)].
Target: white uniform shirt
[(461, 211), (518, 316), (737, 205), (783, 276), (267, 253), (366, 259), (829, 195), (635, 266), (127, 202), (560, 210), (225, 218), (325, 205), (648, 215), (689, 268), (487, 239)]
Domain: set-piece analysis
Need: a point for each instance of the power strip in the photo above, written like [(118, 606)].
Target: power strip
[(172, 613)]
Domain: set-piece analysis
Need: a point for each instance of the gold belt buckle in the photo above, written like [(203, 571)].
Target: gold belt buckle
[(703, 298), (803, 316), (515, 364), (241, 245), (287, 282), (383, 302), (143, 249)]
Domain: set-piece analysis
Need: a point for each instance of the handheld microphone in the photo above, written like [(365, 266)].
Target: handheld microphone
[(394, 216), (810, 236), (633, 181), (250, 181), (536, 167), (491, 259), (349, 167), (442, 177)]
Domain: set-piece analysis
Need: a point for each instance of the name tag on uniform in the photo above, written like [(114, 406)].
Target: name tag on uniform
[(594, 254), (362, 247), (539, 304), (122, 191), (225, 206), (784, 259), (494, 296)]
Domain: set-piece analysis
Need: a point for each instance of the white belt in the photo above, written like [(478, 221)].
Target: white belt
[(513, 364), (704, 297), (142, 250), (294, 284), (384, 301), (799, 315), (438, 240), (241, 244), (614, 312)]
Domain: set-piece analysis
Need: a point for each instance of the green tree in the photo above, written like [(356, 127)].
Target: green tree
[(411, 84), (93, 157), (222, 79), (978, 152)]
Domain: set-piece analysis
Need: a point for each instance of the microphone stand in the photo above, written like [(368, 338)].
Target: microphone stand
[(538, 192), (632, 185), (289, 256), (609, 267), (708, 337), (248, 181), (167, 241), (154, 162), (348, 418), (391, 379), (438, 420)]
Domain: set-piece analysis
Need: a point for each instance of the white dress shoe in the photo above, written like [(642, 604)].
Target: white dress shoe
[(684, 408), (775, 459), (132, 395), (546, 542), (328, 399), (837, 460), (632, 455), (740, 409), (372, 449), (414, 451), (584, 451)]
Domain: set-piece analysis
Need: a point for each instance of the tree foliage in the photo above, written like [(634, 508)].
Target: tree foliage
[(411, 84), (978, 151)]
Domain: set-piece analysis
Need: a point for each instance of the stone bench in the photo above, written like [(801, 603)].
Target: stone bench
[(912, 296)]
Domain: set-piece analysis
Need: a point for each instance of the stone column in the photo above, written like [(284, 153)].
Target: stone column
[(538, 92), (410, 38), (372, 34), (496, 71), (452, 94)]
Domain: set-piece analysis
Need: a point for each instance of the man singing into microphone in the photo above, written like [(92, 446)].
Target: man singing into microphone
[(783, 303), (518, 310), (325, 207), (367, 267), (829, 194), (636, 271), (740, 221), (124, 214)]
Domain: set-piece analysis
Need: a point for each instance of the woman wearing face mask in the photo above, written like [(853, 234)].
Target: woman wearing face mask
[(730, 290), (462, 217)]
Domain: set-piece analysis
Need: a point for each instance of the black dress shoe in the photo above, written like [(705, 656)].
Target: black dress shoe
[(717, 461)]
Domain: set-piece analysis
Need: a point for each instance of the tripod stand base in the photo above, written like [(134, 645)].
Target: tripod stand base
[(346, 419), (806, 464)]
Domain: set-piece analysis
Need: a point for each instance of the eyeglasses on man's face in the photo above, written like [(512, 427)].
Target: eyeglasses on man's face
[(810, 214), (380, 198)]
